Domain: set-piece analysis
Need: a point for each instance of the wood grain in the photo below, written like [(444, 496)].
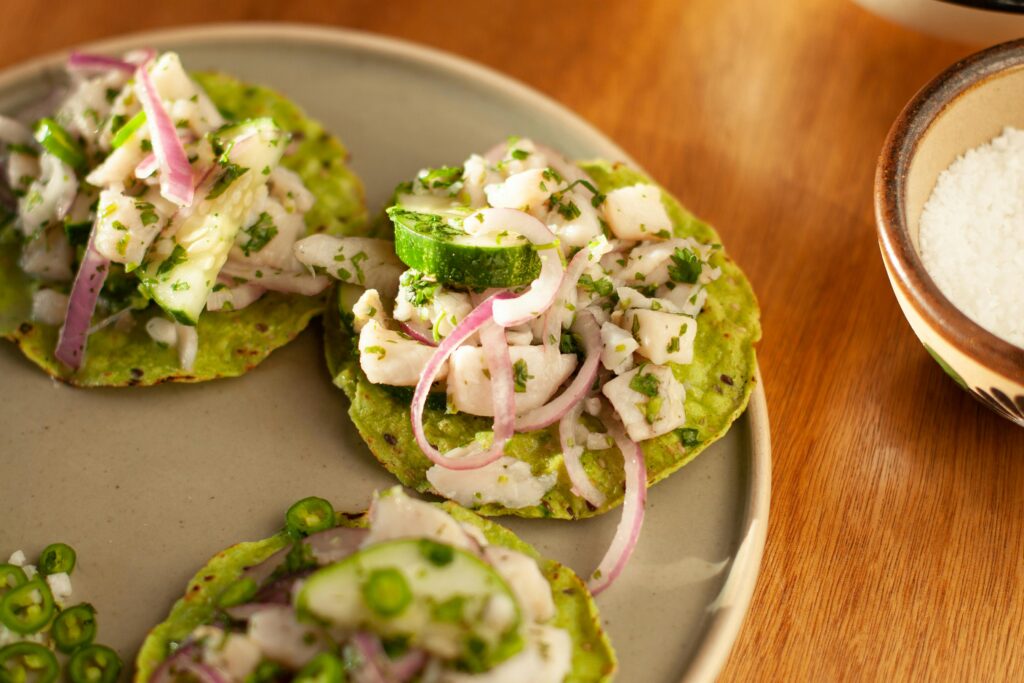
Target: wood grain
[(896, 537)]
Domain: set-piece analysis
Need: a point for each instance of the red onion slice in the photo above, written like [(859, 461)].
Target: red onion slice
[(499, 364), (147, 166), (183, 662), (371, 653), (541, 294), (89, 279), (416, 334), (552, 411), (176, 183), (87, 61), (628, 531), (571, 451), (407, 666)]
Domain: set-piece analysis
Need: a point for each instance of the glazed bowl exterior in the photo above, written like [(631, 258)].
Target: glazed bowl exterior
[(965, 106)]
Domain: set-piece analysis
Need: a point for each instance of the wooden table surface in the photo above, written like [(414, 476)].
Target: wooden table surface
[(897, 536)]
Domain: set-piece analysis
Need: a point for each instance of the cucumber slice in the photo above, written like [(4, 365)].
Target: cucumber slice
[(432, 245), (182, 270), (444, 600)]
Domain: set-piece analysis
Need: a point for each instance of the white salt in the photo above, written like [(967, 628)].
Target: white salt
[(972, 235)]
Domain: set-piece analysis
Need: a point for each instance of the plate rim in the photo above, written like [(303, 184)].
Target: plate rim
[(734, 600)]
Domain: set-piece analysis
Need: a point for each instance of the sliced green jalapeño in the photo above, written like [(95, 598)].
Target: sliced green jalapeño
[(11, 576), (74, 627), (58, 142), (94, 664), (324, 668), (309, 516), (27, 663), (128, 129), (57, 558), (27, 608)]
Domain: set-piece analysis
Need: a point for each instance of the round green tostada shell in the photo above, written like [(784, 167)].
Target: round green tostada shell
[(718, 386), (231, 342), (593, 660)]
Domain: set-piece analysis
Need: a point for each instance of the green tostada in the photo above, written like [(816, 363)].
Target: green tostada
[(553, 337), (150, 223), (409, 591)]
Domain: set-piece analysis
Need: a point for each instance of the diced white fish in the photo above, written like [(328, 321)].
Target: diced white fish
[(441, 309), (49, 197), (234, 655), (644, 416), (49, 306), (395, 515), (173, 83), (60, 587), (631, 298), (366, 308), (526, 191), (48, 255), (617, 349), (540, 373), (287, 188), (662, 337), (87, 108), (268, 238), (282, 638), (126, 226), (162, 331), (119, 166), (225, 297), (637, 213), (389, 358), (275, 279), (530, 586), (506, 481), (363, 261), (188, 345), (22, 169)]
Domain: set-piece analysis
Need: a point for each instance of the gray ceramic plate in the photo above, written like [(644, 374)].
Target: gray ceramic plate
[(147, 484)]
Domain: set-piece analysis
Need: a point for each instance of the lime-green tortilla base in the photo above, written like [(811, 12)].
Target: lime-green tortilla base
[(230, 342), (593, 659), (718, 386)]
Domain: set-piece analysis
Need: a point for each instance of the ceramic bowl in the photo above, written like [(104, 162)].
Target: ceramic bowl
[(975, 22), (966, 105)]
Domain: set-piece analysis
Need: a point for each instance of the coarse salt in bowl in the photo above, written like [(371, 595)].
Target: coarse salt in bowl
[(949, 202)]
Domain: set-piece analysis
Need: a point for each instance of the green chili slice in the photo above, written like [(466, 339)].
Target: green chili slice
[(324, 668), (28, 608), (74, 627), (309, 515), (27, 663), (94, 664), (11, 576), (57, 558), (386, 592), (126, 131), (239, 592), (58, 142)]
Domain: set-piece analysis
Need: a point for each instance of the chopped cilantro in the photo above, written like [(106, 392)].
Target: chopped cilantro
[(644, 384), (689, 436), (260, 233), (601, 287), (685, 266), (520, 154), (380, 351), (445, 176), (176, 257), (232, 172), (147, 212), (521, 375), (421, 290)]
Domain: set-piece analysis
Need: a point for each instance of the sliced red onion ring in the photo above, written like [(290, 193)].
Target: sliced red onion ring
[(407, 666), (499, 364), (566, 293), (176, 183), (571, 452), (416, 334), (628, 531), (92, 273), (92, 62), (371, 653), (183, 661), (541, 294), (552, 411), (147, 166)]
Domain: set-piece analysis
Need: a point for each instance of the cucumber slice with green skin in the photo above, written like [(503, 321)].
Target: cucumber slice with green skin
[(428, 243), (446, 601), (182, 270)]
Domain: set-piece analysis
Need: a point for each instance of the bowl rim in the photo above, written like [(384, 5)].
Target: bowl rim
[(902, 260)]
